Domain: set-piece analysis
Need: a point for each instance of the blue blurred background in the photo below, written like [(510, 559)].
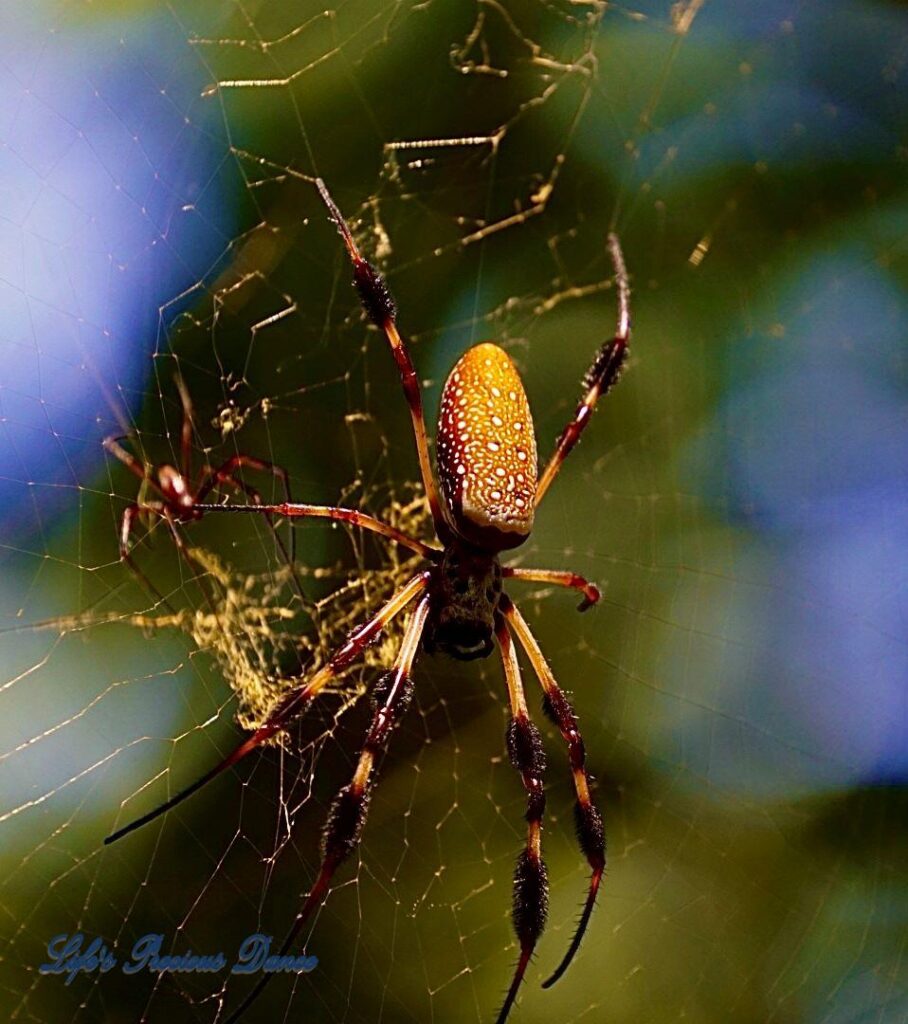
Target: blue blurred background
[(115, 209)]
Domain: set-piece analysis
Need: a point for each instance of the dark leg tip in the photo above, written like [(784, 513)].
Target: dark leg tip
[(590, 598), (525, 953), (581, 928)]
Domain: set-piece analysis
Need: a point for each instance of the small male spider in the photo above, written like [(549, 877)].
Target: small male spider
[(487, 472), (177, 501)]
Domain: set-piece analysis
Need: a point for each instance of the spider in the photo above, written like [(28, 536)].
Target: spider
[(177, 501), (489, 493)]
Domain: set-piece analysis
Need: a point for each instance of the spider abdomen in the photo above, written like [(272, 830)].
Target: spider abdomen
[(487, 450)]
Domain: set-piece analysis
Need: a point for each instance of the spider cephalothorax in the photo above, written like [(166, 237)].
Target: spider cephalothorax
[(176, 491), (487, 470), (463, 590)]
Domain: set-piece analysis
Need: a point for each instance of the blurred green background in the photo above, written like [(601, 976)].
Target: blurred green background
[(740, 498)]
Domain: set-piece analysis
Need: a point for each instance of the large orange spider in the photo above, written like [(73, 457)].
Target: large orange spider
[(488, 476)]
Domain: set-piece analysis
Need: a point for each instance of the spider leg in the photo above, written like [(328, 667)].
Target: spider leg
[(228, 469), (179, 543), (344, 825), (531, 887), (556, 578), (224, 475), (162, 511), (295, 702), (199, 571), (590, 830), (127, 523), (600, 377), (344, 515), (112, 445), (186, 429), (126, 527), (381, 310)]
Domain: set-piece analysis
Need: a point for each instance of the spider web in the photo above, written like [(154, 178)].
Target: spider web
[(740, 497)]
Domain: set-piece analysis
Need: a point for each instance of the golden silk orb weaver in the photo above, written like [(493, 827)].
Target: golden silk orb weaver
[(489, 493)]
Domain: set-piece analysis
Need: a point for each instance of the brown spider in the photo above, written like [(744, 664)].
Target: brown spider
[(178, 501), (488, 475)]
